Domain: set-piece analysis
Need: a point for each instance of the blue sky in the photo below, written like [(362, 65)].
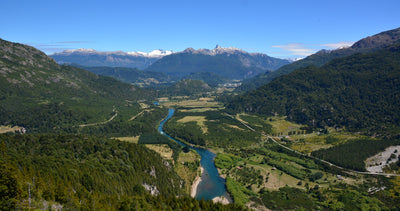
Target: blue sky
[(284, 29)]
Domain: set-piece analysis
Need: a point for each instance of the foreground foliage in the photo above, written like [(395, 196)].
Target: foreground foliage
[(85, 172)]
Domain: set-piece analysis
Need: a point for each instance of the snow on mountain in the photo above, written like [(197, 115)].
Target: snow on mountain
[(152, 54), (216, 51)]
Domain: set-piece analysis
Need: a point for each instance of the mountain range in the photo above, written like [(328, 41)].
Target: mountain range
[(90, 57), (231, 63), (368, 44)]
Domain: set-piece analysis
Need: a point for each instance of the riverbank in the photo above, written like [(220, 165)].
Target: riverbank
[(196, 183), (222, 200)]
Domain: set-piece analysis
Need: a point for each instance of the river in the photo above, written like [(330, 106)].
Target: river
[(211, 185)]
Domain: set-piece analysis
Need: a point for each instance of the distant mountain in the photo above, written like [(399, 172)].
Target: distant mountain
[(369, 44), (90, 57), (42, 96), (231, 63), (133, 75), (360, 93)]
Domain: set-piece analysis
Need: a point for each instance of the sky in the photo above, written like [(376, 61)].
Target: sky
[(279, 28)]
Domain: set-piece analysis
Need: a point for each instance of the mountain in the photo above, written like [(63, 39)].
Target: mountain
[(42, 96), (132, 75), (90, 57), (369, 44), (231, 63), (360, 93)]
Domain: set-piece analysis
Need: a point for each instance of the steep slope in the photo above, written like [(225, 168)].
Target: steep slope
[(360, 92), (230, 63), (369, 44), (90, 57), (39, 94)]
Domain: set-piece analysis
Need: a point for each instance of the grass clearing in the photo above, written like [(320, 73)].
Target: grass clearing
[(234, 127), (163, 149), (144, 105), (200, 121), (280, 125), (6, 129), (313, 141), (187, 168), (132, 139), (199, 103)]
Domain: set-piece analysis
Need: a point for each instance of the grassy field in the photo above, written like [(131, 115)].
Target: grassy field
[(201, 103), (6, 129), (200, 121), (133, 139), (187, 168), (282, 126), (311, 142), (163, 149)]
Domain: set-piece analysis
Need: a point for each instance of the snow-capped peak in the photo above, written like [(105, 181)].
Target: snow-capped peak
[(155, 53), (81, 50), (217, 50), (152, 54)]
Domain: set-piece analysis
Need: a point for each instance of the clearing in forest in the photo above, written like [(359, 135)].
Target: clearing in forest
[(200, 121)]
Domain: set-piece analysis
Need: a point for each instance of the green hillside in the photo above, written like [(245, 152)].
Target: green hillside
[(132, 75), (369, 44), (360, 92), (42, 96)]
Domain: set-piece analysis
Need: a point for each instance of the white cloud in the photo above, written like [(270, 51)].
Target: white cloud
[(297, 49), (343, 44)]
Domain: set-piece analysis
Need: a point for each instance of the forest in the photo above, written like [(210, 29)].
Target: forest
[(88, 173), (359, 92), (353, 154)]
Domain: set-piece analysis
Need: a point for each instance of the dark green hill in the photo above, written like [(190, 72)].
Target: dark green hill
[(42, 96), (360, 92), (230, 63), (369, 44), (211, 79), (132, 75), (186, 87)]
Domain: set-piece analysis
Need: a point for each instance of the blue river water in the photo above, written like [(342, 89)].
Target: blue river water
[(211, 185)]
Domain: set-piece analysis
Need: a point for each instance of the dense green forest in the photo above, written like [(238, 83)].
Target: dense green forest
[(132, 75), (82, 171), (87, 172), (186, 87), (360, 92), (212, 79)]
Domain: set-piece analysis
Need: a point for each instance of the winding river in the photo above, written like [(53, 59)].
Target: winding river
[(211, 185)]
